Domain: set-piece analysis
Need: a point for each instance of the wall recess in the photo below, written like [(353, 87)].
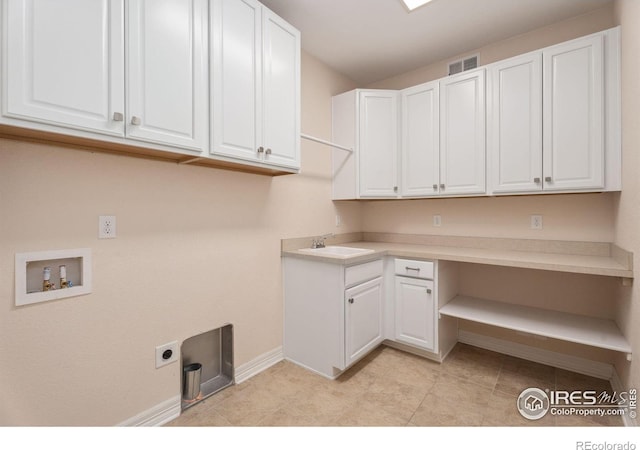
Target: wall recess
[(30, 269)]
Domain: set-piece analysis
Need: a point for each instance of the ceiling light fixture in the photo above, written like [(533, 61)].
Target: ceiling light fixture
[(413, 4)]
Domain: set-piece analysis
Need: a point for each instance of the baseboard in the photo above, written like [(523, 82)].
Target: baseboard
[(257, 365), (573, 363), (158, 415), (616, 385), (170, 409)]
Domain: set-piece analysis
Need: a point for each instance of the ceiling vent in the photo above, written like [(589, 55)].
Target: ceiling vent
[(462, 65)]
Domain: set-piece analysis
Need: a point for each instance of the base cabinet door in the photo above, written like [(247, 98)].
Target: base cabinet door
[(414, 312), (363, 319)]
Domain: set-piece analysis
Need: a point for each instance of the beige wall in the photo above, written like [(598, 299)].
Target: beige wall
[(584, 24), (627, 204), (196, 248)]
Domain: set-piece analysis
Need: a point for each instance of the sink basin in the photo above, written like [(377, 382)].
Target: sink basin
[(336, 251)]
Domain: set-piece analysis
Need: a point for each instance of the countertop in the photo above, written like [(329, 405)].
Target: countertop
[(616, 264)]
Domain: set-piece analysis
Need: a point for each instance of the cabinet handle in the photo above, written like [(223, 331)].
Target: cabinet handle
[(135, 120), (536, 180), (435, 187), (428, 291), (442, 186), (351, 300), (395, 189), (267, 151), (260, 150), (412, 268), (547, 179), (118, 117)]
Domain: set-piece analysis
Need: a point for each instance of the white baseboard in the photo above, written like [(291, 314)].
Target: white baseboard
[(573, 363), (170, 409), (158, 415), (257, 365)]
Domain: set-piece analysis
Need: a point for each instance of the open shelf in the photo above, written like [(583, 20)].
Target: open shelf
[(602, 333)]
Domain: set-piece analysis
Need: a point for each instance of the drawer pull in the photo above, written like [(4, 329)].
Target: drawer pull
[(351, 300), (428, 291), (412, 268)]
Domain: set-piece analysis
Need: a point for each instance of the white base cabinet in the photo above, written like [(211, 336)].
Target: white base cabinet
[(333, 315), (415, 301)]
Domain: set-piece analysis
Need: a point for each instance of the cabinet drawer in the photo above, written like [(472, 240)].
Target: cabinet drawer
[(362, 272), (415, 269)]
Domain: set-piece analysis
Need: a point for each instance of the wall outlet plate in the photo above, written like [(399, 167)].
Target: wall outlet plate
[(167, 354), (437, 220), (107, 227), (536, 222)]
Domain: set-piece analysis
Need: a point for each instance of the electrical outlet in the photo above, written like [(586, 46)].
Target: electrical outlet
[(166, 354), (338, 220), (536, 222), (107, 227), (437, 220)]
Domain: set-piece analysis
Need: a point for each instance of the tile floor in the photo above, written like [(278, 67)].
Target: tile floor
[(473, 387)]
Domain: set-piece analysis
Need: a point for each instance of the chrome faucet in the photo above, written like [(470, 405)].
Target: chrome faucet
[(319, 241)]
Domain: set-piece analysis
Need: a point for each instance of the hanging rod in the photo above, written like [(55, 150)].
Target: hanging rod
[(322, 141)]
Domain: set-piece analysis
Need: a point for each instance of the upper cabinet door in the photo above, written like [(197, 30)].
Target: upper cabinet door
[(420, 140), (168, 72), (462, 134), (574, 115), (378, 143), (64, 63), (515, 125), (281, 88), (236, 65)]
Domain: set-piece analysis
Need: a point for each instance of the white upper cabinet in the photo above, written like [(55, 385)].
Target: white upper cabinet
[(65, 66), (255, 84), (281, 88), (167, 72), (365, 120), (63, 63), (420, 149), (462, 134), (574, 115), (236, 64), (554, 118), (378, 143), (515, 124)]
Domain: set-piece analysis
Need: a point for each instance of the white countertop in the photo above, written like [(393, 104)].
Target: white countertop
[(561, 262)]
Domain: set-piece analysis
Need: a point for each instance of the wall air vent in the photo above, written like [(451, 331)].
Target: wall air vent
[(462, 65)]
